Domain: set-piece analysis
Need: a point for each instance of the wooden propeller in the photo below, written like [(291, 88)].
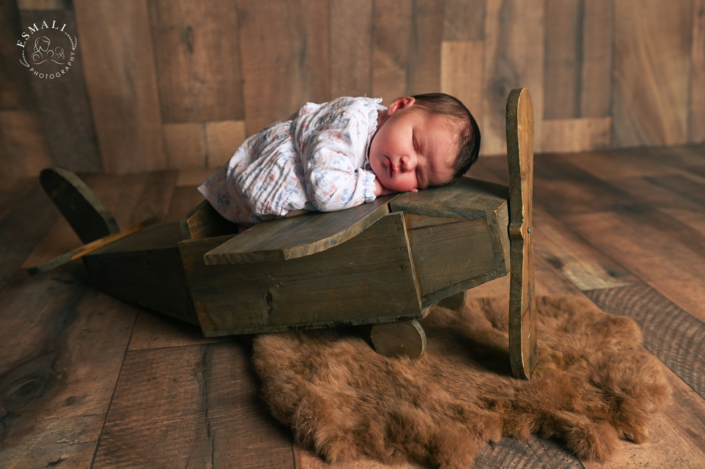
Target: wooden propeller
[(522, 302)]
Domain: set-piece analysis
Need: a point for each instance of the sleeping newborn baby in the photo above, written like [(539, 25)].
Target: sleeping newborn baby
[(340, 154)]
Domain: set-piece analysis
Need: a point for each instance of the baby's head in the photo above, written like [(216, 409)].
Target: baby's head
[(423, 141)]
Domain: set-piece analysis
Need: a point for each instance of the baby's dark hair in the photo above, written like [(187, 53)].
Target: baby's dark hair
[(468, 130)]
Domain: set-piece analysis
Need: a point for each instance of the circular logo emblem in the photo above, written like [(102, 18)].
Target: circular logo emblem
[(48, 50)]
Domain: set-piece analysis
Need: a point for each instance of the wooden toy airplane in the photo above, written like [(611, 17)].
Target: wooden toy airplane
[(383, 263)]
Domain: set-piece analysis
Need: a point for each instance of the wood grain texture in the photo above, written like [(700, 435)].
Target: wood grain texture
[(43, 4), (193, 177), (663, 199), (127, 196), (564, 189), (20, 233), (467, 198), (185, 145), (461, 73), (335, 286), (514, 57), (12, 190), (597, 65), (82, 209), (454, 302), (15, 85), (291, 238), (534, 453), (681, 155), (25, 150), (563, 59), (144, 269), (223, 139), (651, 72), (59, 366), (425, 59), (463, 20), (350, 48), (407, 38), (684, 186), (157, 330), (191, 145), (622, 167), (658, 263), (572, 135), (198, 407), (119, 192), (87, 248), (399, 339), (197, 59), (549, 281), (522, 302), (390, 51), (586, 267), (119, 67), (685, 232), (670, 333), (696, 114), (452, 251), (204, 221), (63, 103), (491, 169), (134, 197), (282, 72), (481, 233)]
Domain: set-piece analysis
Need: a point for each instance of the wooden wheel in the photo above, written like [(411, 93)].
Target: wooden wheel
[(522, 302), (403, 338)]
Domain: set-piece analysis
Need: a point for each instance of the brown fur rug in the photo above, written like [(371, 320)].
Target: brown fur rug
[(593, 385)]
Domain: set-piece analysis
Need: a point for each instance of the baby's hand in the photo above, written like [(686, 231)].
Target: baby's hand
[(381, 190)]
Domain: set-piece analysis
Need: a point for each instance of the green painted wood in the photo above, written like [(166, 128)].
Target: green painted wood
[(294, 237), (452, 255), (145, 269), (204, 221), (466, 198), (368, 279)]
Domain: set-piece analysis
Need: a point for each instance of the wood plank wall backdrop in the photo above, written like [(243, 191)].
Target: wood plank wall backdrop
[(172, 84)]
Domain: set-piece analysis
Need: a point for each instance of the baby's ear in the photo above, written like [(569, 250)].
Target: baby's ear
[(400, 104)]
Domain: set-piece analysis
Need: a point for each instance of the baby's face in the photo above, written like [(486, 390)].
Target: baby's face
[(412, 150)]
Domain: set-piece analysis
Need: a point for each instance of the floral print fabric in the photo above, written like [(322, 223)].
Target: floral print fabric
[(316, 160)]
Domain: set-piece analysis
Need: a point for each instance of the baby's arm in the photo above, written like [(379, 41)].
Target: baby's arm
[(333, 180)]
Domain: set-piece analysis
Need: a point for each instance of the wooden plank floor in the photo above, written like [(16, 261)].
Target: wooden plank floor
[(88, 381)]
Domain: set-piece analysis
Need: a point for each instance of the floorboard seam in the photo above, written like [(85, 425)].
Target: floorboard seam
[(112, 396)]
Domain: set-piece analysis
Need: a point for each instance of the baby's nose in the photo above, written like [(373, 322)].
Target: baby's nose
[(407, 163)]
